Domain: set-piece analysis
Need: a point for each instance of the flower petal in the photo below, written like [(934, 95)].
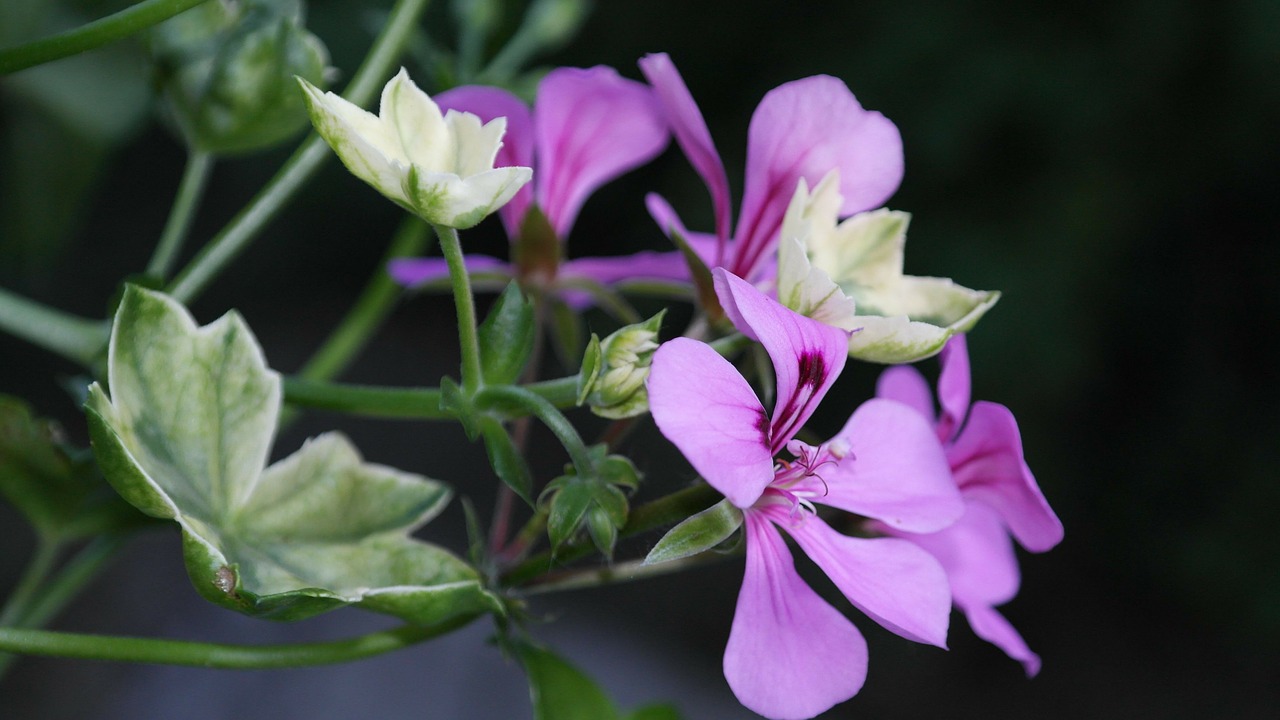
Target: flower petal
[(446, 199), (417, 271), (704, 244), (805, 128), (893, 581), (418, 123), (895, 470), (644, 265), (692, 135), (977, 555), (988, 465), (790, 654), (489, 103), (990, 625), (705, 408), (807, 355), (906, 385), (591, 126), (953, 386), (363, 142)]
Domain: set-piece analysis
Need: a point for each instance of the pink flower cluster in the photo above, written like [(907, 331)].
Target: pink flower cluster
[(938, 494)]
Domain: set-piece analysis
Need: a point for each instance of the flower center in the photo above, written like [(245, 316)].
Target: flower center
[(796, 482)]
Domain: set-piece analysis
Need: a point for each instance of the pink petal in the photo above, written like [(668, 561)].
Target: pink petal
[(790, 654), (807, 355), (893, 581), (805, 128), (990, 625), (988, 465), (416, 271), (692, 135), (644, 265), (953, 386), (977, 555), (517, 145), (592, 126), (705, 408), (705, 245), (895, 470), (906, 385)]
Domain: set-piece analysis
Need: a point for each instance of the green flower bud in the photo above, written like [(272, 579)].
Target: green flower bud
[(226, 71), (614, 371)]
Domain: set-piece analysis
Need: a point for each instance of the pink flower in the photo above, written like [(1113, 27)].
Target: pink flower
[(586, 128), (1000, 494), (801, 129), (790, 654)]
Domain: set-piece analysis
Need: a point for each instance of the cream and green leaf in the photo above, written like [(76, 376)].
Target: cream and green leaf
[(186, 434), (850, 275)]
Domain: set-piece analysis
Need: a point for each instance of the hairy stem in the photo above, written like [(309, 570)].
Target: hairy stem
[(465, 302), (407, 402)]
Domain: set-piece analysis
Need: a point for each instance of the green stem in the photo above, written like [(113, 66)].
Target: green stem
[(666, 510), (95, 34), (37, 571), (468, 336), (404, 402), (508, 396), (212, 655), (63, 588), (194, 179), (298, 169), (72, 337), (619, 572)]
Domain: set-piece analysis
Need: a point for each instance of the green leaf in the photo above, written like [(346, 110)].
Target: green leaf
[(506, 459), (506, 337), (560, 691), (56, 487), (568, 507), (697, 533), (186, 435)]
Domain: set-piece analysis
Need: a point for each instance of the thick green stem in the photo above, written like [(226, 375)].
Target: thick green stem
[(468, 335), (407, 403), (194, 179), (242, 229), (511, 396), (72, 337), (212, 655), (95, 34), (666, 510)]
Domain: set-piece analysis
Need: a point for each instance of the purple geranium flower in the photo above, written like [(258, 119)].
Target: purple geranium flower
[(801, 129), (1000, 494), (790, 654), (587, 127)]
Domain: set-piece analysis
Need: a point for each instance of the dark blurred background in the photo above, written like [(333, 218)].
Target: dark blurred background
[(1111, 167)]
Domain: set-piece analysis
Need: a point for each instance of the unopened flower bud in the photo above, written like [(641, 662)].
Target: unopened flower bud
[(614, 370), (227, 73)]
